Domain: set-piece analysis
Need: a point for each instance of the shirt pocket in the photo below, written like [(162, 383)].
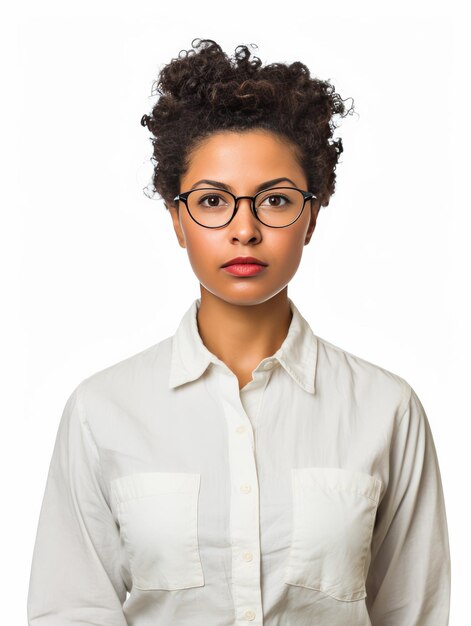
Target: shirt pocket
[(158, 518), (334, 511)]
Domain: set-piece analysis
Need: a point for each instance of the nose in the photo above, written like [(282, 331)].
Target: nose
[(244, 224)]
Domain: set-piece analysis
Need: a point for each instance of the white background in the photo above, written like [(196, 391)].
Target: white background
[(91, 270)]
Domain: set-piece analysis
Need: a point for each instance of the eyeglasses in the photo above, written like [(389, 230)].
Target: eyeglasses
[(276, 207)]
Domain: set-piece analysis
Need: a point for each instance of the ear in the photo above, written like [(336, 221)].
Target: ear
[(175, 215), (315, 206)]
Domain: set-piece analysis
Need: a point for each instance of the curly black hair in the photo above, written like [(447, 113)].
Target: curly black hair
[(207, 91)]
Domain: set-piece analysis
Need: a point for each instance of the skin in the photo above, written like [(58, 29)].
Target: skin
[(243, 320)]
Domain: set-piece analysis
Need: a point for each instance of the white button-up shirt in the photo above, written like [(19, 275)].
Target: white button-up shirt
[(311, 497)]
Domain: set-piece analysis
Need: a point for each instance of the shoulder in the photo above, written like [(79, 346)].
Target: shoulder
[(129, 377), (365, 380)]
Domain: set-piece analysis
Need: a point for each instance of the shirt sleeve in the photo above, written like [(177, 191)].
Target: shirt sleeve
[(408, 581), (75, 573)]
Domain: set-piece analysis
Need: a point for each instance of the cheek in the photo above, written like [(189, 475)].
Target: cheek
[(202, 248), (288, 246)]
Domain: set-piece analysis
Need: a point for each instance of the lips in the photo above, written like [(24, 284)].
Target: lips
[(240, 260)]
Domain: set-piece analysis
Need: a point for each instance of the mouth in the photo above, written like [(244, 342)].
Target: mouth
[(244, 261), (244, 269)]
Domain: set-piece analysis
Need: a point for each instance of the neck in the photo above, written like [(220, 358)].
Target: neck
[(241, 335)]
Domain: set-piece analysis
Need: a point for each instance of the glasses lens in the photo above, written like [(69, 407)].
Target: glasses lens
[(210, 207), (279, 206)]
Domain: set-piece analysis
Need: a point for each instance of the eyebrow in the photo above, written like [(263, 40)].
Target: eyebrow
[(265, 185)]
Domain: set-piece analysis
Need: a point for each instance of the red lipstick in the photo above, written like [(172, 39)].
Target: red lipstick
[(244, 266)]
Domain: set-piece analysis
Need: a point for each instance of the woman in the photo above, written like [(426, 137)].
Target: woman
[(243, 470)]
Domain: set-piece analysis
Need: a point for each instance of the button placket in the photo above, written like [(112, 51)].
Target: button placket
[(245, 514)]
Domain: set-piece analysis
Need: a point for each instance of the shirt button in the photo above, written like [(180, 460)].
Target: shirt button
[(240, 429), (245, 488), (268, 365), (247, 556), (250, 615)]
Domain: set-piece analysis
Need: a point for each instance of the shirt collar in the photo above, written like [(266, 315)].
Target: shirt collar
[(190, 357)]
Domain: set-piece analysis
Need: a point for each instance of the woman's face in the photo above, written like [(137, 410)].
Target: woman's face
[(243, 161)]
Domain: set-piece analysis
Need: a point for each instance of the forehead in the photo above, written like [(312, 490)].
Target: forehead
[(248, 154)]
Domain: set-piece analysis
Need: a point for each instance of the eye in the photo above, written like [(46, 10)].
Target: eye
[(274, 200), (212, 199)]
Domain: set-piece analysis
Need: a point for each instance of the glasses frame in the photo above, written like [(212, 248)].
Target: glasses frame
[(307, 195)]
